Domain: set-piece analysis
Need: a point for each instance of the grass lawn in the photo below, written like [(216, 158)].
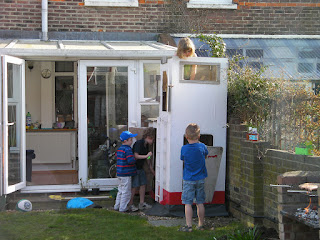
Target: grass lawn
[(93, 224)]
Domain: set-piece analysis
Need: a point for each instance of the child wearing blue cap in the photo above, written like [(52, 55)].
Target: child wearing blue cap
[(126, 168)]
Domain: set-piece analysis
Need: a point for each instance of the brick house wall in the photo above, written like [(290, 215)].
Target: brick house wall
[(251, 168), (251, 17)]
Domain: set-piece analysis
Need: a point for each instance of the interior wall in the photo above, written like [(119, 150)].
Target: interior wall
[(33, 90)]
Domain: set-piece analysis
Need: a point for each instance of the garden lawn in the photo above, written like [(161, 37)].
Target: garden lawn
[(93, 224)]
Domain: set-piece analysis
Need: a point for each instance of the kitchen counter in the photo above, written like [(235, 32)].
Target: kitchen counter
[(53, 130)]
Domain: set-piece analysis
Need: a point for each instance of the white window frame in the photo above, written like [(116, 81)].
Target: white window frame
[(216, 4), (142, 100), (112, 3)]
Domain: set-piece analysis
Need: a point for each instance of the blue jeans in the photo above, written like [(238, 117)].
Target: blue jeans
[(193, 190), (140, 179)]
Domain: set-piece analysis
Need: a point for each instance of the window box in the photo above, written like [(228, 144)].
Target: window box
[(217, 4), (111, 3)]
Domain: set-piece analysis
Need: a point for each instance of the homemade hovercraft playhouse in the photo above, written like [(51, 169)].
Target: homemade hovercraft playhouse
[(202, 101)]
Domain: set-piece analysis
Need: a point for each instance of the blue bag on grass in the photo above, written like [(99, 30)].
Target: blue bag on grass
[(79, 203)]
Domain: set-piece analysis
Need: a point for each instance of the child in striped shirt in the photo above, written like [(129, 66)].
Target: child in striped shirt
[(126, 168)]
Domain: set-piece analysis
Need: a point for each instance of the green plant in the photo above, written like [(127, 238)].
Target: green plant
[(114, 192), (285, 112), (249, 92), (217, 45), (248, 234)]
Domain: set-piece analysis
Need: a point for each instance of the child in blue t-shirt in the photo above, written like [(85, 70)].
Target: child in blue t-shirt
[(126, 168), (194, 173)]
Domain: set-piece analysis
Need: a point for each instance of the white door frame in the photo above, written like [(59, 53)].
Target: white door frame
[(104, 183), (4, 123)]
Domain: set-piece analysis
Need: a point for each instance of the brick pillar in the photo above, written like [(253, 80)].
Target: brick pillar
[(252, 181)]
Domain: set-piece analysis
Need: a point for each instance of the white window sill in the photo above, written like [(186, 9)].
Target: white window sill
[(214, 6), (111, 3)]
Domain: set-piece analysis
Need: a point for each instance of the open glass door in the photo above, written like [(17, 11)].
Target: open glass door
[(13, 122), (106, 108)]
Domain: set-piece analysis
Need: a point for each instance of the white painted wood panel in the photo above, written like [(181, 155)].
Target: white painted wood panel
[(52, 147)]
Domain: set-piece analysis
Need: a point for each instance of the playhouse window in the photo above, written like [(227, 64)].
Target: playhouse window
[(200, 73), (207, 139), (112, 3)]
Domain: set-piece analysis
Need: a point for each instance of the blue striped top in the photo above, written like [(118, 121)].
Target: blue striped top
[(125, 162)]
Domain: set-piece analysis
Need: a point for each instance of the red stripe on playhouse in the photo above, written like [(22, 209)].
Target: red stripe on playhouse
[(174, 198)]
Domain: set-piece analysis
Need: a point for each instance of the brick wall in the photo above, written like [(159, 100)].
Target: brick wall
[(14, 169), (290, 227), (251, 17), (251, 168)]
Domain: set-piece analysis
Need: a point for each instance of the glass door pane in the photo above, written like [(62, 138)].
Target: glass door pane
[(107, 116), (13, 122), (14, 132)]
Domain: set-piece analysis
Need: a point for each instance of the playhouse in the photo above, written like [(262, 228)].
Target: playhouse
[(82, 94)]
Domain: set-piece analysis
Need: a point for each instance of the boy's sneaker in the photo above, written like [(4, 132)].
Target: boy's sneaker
[(143, 206), (132, 208)]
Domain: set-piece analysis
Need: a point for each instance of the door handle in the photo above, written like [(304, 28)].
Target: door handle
[(10, 124)]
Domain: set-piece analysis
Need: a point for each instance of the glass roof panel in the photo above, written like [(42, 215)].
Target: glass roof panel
[(76, 45), (130, 46), (3, 44), (35, 45)]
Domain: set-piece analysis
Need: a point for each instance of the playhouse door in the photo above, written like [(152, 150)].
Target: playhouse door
[(163, 133), (13, 123)]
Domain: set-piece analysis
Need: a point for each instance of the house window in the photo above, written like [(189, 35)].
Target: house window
[(64, 91), (254, 57), (254, 53), (234, 52), (305, 67), (151, 93), (218, 4), (112, 3)]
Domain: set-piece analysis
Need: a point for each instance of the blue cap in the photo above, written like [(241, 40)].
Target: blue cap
[(125, 135)]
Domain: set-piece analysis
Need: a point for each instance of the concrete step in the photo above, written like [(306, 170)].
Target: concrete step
[(42, 201)]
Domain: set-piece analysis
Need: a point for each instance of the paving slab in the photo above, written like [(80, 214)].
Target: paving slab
[(168, 222)]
